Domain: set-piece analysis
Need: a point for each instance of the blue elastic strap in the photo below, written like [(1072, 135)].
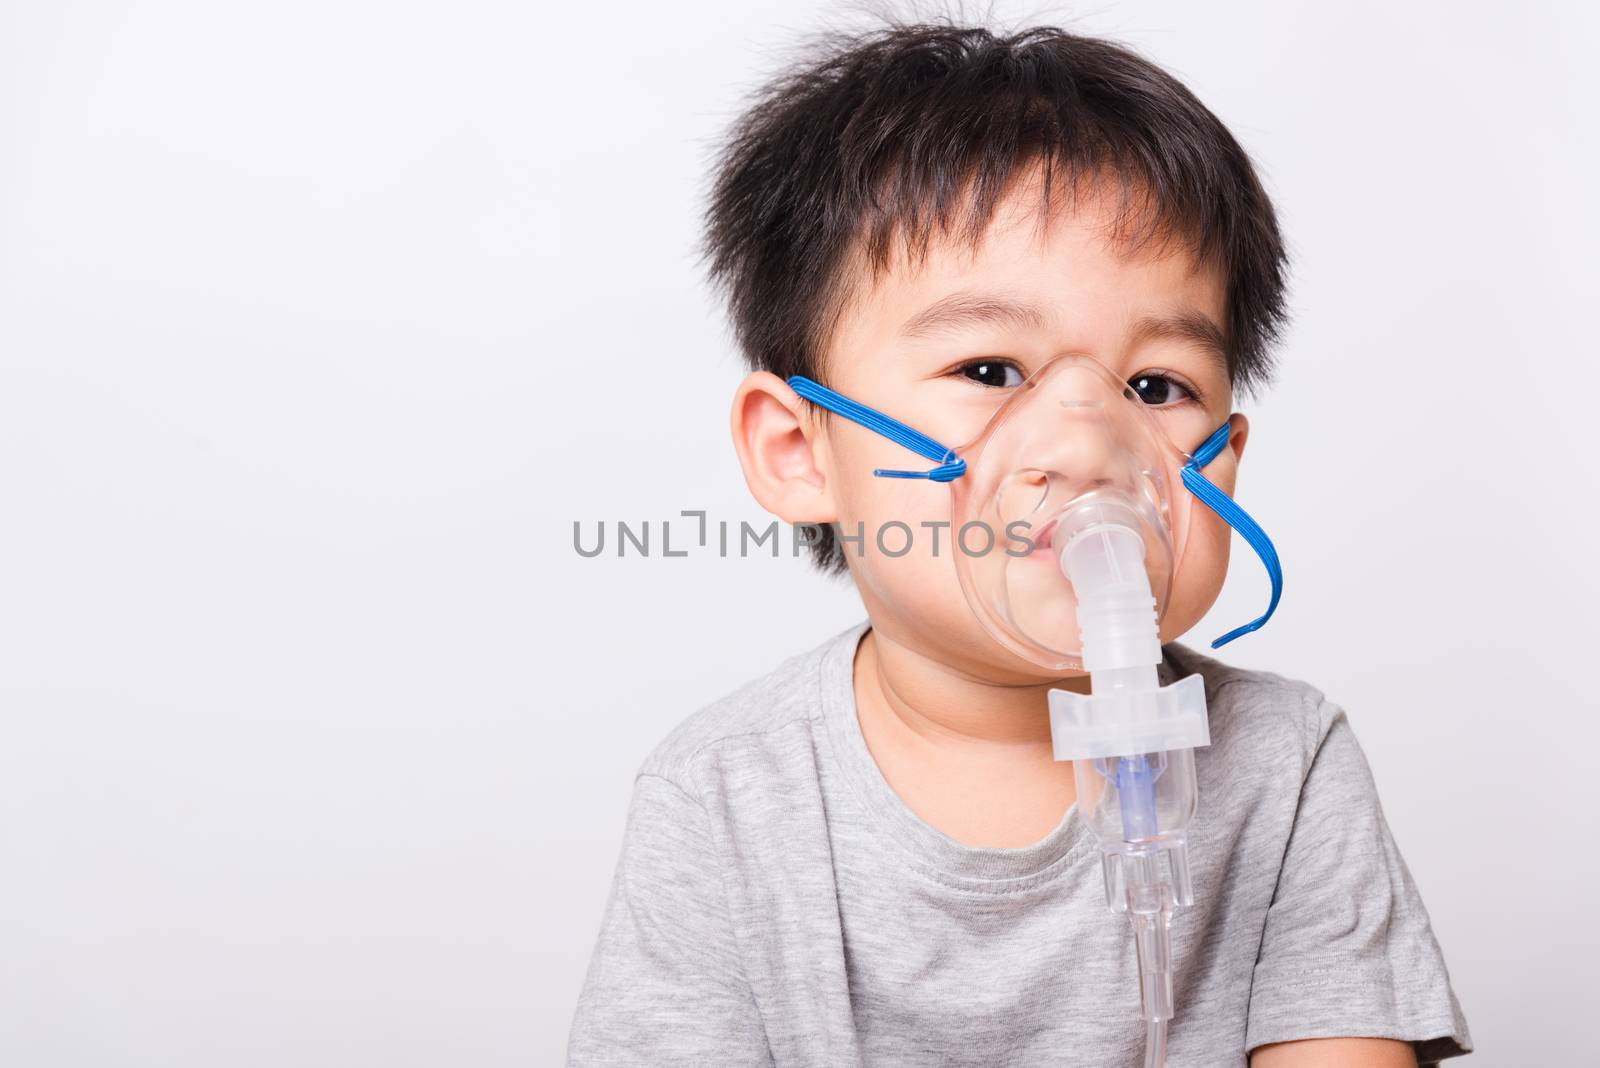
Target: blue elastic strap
[(1239, 520), (950, 465)]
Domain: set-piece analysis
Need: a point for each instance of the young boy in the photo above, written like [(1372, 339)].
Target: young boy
[(870, 856)]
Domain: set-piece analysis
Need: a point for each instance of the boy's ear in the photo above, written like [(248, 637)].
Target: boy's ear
[(1238, 433), (782, 456)]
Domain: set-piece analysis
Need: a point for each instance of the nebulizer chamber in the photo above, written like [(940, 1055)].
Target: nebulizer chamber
[(1131, 741)]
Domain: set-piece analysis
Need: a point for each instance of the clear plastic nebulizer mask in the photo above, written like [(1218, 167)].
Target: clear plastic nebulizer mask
[(1077, 481), (1070, 438)]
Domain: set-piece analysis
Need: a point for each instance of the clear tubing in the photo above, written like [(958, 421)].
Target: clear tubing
[(1155, 1044)]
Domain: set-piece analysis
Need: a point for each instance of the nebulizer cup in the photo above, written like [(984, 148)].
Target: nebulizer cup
[(1131, 741)]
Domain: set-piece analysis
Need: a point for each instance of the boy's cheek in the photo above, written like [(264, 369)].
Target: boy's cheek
[(1203, 566), (898, 524), (897, 539), (915, 596), (1201, 571)]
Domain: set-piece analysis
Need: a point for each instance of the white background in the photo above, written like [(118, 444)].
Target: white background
[(320, 324)]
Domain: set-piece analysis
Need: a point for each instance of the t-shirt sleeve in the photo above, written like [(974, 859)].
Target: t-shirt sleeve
[(665, 985), (1347, 949)]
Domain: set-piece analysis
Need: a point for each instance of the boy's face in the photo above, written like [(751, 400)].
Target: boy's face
[(1088, 294)]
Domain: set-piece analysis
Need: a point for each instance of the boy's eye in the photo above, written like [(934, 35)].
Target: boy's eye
[(999, 373), (1158, 390)]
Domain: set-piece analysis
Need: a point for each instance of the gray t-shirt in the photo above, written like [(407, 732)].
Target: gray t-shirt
[(776, 903)]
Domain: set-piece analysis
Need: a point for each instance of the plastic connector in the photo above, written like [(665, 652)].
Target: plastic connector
[(1128, 721)]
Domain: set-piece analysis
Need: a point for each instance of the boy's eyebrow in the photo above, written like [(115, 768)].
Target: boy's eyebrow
[(966, 309), (969, 309), (1185, 325)]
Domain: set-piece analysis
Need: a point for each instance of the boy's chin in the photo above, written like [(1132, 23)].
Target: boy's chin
[(977, 656)]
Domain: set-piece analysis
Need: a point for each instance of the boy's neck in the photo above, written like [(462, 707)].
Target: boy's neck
[(949, 707), (971, 758)]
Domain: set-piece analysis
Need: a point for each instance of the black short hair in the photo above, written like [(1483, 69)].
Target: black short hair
[(883, 131)]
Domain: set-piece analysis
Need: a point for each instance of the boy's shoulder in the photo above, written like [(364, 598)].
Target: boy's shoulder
[(1257, 713), (756, 715)]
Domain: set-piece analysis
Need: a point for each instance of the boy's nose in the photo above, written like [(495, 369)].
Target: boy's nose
[(1069, 438), (1078, 431), (1078, 444), (1071, 449)]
